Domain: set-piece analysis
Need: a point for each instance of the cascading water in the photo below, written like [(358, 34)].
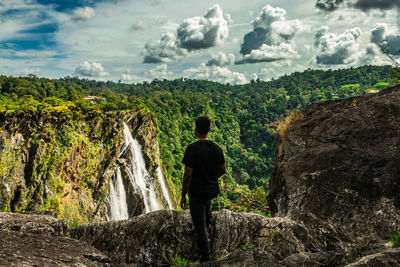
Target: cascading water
[(163, 187), (137, 171), (117, 198), (140, 182)]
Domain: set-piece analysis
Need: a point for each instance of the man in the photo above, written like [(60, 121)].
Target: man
[(204, 164)]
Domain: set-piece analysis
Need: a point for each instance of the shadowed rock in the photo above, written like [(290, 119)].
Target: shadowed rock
[(36, 240), (338, 171)]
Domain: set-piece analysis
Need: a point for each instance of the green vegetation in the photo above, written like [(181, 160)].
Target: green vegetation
[(178, 260), (245, 119), (395, 239)]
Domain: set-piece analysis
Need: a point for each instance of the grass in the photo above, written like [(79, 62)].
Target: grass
[(395, 239), (177, 260), (282, 126)]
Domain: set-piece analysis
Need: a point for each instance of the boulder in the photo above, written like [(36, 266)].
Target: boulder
[(337, 171), (153, 238), (37, 240)]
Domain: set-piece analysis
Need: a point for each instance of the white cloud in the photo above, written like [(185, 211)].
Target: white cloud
[(193, 34), (215, 73), (371, 55), (33, 71), (222, 59), (90, 69), (268, 53), (204, 32), (159, 72), (83, 13), (386, 38), (271, 38), (164, 50), (339, 48), (129, 78)]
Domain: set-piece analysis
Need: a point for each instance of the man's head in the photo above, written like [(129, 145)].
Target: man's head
[(202, 125)]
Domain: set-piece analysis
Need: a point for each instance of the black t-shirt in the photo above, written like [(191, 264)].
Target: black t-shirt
[(206, 158)]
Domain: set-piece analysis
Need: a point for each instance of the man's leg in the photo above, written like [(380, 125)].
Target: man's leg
[(208, 212), (198, 213)]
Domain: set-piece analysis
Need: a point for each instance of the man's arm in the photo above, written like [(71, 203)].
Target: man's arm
[(222, 170), (187, 178)]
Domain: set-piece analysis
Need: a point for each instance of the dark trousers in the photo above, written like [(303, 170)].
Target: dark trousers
[(201, 216)]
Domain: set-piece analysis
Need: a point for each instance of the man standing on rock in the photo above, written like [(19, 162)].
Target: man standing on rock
[(204, 164)]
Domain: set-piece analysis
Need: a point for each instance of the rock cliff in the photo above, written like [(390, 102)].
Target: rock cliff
[(63, 161), (338, 171)]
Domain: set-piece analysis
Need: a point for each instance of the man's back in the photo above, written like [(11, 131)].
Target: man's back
[(206, 158)]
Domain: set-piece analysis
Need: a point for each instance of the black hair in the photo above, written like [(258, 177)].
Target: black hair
[(203, 125)]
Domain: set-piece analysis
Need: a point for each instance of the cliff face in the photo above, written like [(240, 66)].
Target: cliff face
[(339, 171), (63, 161)]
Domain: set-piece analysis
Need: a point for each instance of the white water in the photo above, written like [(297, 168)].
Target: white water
[(137, 172), (163, 187), (117, 198)]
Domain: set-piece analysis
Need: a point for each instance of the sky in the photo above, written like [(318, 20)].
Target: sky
[(221, 40)]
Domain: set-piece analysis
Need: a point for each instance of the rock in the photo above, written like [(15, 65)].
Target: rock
[(243, 258), (36, 240), (33, 223), (388, 257), (338, 171), (149, 238)]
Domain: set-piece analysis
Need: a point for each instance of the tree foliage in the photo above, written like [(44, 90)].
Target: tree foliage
[(242, 115)]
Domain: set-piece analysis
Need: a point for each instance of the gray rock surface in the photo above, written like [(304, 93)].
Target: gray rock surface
[(338, 171), (36, 240), (146, 238)]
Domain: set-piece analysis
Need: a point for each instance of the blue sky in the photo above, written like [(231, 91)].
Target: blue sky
[(224, 41)]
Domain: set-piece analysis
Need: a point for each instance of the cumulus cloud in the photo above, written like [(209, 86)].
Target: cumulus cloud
[(90, 69), (83, 13), (371, 56), (378, 33), (381, 36), (195, 33), (268, 53), (328, 5), (32, 71), (392, 44), (203, 32), (221, 60), (216, 73), (159, 72), (365, 5), (266, 74), (164, 50), (337, 48), (271, 37), (128, 77)]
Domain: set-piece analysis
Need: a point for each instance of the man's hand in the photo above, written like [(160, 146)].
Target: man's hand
[(187, 178), (183, 202)]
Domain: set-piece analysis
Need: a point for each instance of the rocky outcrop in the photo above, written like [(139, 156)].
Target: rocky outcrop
[(338, 172), (160, 238), (152, 238), (37, 240), (63, 161)]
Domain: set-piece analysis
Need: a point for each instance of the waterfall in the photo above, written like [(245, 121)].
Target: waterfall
[(138, 173), (163, 187), (117, 198), (138, 182)]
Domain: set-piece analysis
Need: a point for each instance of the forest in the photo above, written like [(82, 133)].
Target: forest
[(243, 116)]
